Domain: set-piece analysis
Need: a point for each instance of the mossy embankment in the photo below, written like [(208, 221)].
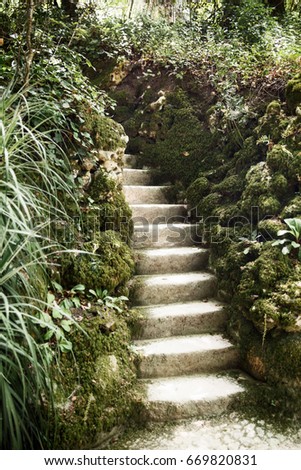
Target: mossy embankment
[(240, 179), (96, 393)]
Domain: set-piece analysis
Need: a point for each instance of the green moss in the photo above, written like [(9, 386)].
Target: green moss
[(227, 213), (264, 315), (229, 256), (293, 209), (172, 139), (231, 186), (96, 387), (107, 209), (107, 263), (274, 107), (208, 205), (279, 184), (268, 205), (293, 93), (271, 125), (268, 228), (259, 279), (248, 155), (281, 160), (282, 358), (102, 187), (105, 133), (257, 185), (125, 105), (197, 190)]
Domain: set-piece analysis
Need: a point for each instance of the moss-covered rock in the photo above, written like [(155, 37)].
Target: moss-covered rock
[(106, 263), (268, 228), (248, 155), (229, 258), (105, 133), (279, 185), (259, 279), (106, 208), (280, 159), (273, 108), (274, 358), (293, 93), (257, 191), (268, 205), (292, 209), (231, 186), (208, 205), (271, 125), (96, 392), (196, 191)]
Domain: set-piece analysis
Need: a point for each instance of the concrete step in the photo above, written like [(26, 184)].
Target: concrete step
[(185, 355), (136, 177), (200, 396), (145, 194), (172, 260), (158, 213), (163, 235), (172, 288), (190, 318), (129, 161)]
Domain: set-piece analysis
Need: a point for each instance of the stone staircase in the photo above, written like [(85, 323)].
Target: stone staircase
[(186, 363)]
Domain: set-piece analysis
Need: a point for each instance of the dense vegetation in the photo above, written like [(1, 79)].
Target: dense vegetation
[(213, 105), (211, 102), (65, 228)]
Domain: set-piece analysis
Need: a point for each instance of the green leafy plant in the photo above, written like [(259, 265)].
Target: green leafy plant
[(291, 244), (102, 298), (31, 188)]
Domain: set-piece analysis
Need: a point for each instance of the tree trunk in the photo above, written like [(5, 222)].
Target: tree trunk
[(29, 47), (277, 5)]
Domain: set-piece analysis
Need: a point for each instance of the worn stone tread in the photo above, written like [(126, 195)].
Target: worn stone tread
[(158, 213), (185, 355), (132, 176), (145, 194), (189, 318), (147, 235), (172, 288), (172, 260)]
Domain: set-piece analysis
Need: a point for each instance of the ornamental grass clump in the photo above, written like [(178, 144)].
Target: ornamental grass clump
[(31, 189)]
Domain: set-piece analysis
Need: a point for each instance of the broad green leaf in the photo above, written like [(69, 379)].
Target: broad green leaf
[(295, 245), (76, 302), (287, 249), (50, 298), (65, 345), (65, 324), (67, 304), (48, 335), (57, 313), (78, 288), (282, 232)]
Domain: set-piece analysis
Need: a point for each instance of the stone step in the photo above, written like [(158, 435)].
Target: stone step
[(129, 161), (172, 260), (172, 288), (158, 213), (145, 194), (190, 318), (185, 355), (200, 396), (136, 177), (162, 235)]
